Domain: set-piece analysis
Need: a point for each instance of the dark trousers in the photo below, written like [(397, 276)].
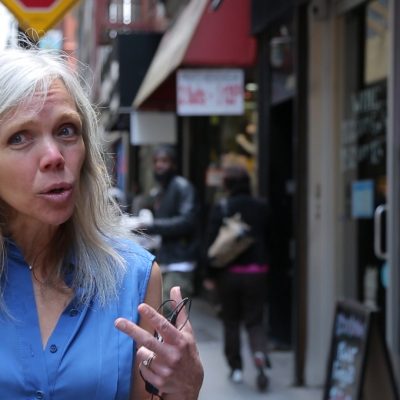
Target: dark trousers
[(242, 298)]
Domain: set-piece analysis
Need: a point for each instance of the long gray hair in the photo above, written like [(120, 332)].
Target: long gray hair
[(94, 227)]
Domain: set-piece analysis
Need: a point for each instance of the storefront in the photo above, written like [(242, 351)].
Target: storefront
[(341, 121), (362, 178), (352, 197), (368, 161), (318, 132)]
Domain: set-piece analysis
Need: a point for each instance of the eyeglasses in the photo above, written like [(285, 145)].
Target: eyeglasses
[(170, 310)]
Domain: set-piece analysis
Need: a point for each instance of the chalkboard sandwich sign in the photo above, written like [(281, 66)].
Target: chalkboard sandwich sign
[(359, 366)]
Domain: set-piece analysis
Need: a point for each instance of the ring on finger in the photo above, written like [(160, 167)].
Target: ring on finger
[(147, 362)]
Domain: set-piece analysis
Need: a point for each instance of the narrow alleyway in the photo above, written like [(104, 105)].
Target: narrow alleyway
[(216, 385)]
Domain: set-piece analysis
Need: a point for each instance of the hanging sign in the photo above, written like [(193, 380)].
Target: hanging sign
[(37, 16), (210, 92)]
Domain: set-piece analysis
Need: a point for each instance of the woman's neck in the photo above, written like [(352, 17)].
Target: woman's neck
[(33, 241)]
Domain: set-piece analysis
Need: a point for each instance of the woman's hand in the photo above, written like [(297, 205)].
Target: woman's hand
[(172, 365)]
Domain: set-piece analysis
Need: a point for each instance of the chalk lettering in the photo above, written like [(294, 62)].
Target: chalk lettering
[(349, 326)]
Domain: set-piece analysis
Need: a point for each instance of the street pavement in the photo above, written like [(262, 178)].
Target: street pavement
[(216, 386)]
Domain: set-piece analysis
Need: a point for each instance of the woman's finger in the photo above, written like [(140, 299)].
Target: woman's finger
[(169, 333), (150, 363), (140, 335), (175, 294)]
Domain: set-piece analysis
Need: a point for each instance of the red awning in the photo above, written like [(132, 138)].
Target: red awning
[(200, 37)]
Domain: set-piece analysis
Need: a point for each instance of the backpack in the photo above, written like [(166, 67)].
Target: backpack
[(233, 239)]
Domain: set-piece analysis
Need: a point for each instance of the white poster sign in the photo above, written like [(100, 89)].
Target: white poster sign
[(210, 92), (148, 127)]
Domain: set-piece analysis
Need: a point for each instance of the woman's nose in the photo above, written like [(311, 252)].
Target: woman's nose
[(51, 157)]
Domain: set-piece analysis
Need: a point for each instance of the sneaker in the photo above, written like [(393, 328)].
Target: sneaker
[(236, 376), (262, 380), (261, 362)]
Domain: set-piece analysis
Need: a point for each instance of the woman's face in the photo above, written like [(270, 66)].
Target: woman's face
[(41, 156)]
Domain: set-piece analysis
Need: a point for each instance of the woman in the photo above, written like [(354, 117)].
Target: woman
[(78, 297), (241, 285)]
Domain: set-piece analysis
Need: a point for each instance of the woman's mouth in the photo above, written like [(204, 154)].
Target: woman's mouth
[(58, 193)]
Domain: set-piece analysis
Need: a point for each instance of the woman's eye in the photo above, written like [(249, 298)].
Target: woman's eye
[(17, 139), (68, 131)]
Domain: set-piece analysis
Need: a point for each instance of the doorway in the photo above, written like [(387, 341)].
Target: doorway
[(280, 198)]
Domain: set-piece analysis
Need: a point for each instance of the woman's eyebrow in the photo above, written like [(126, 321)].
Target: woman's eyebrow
[(22, 123)]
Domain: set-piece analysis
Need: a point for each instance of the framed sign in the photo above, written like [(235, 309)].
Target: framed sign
[(210, 92), (359, 366)]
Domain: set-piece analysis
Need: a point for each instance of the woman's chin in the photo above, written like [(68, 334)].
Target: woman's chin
[(56, 219)]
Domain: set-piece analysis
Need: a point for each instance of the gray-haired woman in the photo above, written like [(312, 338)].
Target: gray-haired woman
[(78, 296)]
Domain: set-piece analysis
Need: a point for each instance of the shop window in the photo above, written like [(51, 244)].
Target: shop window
[(363, 151)]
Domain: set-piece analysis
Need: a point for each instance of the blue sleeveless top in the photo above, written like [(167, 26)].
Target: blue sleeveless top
[(86, 357)]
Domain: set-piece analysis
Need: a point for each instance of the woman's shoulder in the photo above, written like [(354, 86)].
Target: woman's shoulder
[(138, 262), (129, 249)]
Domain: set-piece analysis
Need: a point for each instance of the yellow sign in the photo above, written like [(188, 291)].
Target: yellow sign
[(37, 16)]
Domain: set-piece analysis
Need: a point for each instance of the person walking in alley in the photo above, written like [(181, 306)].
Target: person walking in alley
[(176, 212), (241, 284)]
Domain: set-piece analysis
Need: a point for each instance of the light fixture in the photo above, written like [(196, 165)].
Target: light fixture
[(251, 87)]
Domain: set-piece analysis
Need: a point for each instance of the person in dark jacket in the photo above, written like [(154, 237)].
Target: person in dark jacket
[(242, 284), (176, 213)]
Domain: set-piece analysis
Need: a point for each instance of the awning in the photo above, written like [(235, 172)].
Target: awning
[(201, 36)]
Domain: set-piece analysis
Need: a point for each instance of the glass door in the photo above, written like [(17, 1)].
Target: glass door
[(363, 154)]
